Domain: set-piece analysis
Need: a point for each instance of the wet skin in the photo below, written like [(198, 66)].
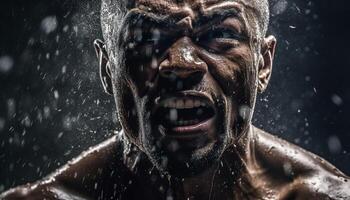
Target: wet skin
[(185, 97)]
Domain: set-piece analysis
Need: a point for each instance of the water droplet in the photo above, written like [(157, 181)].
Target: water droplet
[(279, 7), (6, 64), (56, 94), (49, 24), (173, 114), (337, 100), (334, 144)]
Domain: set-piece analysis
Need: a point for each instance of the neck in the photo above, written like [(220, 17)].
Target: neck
[(219, 181), (225, 179), (199, 186)]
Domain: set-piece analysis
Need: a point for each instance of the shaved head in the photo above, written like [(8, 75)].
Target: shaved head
[(113, 12)]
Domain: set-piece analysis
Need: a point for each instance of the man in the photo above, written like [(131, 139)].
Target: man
[(185, 74)]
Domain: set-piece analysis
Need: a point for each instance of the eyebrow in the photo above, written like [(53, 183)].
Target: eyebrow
[(135, 15), (216, 15), (169, 21)]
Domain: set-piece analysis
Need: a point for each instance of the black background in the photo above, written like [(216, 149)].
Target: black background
[(52, 106)]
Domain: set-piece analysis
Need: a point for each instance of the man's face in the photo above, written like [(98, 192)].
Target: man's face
[(187, 84)]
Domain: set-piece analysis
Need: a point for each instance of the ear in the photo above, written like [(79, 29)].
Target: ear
[(266, 61), (105, 70)]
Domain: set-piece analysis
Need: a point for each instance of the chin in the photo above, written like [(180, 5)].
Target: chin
[(183, 163), (186, 155)]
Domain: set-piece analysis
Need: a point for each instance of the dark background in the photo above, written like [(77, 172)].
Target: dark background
[(52, 106)]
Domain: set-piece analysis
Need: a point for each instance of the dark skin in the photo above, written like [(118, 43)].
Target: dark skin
[(220, 61)]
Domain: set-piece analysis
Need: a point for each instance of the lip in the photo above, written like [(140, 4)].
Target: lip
[(191, 131)]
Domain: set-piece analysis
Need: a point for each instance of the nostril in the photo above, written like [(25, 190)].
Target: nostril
[(167, 73), (198, 73), (181, 73), (175, 79), (197, 76)]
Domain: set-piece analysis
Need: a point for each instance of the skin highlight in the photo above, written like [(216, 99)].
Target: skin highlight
[(169, 56)]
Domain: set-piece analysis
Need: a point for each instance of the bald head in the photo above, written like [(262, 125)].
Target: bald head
[(113, 12)]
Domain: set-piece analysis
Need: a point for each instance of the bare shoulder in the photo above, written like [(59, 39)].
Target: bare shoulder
[(77, 179), (307, 173)]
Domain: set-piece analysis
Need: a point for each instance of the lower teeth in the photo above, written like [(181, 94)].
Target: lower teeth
[(184, 123)]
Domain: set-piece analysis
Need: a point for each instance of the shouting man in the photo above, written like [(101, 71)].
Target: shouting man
[(185, 75)]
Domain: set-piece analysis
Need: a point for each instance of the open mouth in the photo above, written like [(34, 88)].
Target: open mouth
[(185, 114)]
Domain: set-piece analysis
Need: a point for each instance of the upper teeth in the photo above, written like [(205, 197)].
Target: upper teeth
[(182, 103)]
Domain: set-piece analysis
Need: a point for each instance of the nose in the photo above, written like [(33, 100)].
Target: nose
[(182, 61)]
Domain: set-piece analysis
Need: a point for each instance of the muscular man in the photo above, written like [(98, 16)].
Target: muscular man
[(185, 75)]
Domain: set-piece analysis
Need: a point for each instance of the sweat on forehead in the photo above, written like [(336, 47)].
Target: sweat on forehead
[(113, 11)]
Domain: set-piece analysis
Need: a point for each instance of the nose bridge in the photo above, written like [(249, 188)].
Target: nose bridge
[(182, 59)]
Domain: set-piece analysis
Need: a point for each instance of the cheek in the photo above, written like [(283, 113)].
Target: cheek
[(127, 111), (244, 58), (142, 72), (233, 70), (124, 95)]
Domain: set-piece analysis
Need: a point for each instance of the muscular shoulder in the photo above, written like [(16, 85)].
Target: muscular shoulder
[(79, 178), (305, 172)]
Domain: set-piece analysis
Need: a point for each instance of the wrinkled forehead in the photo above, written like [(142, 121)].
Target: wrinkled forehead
[(116, 17), (193, 8)]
